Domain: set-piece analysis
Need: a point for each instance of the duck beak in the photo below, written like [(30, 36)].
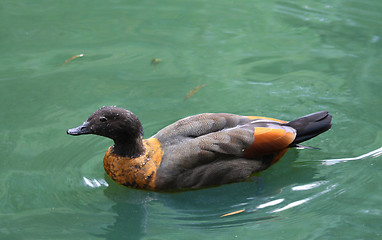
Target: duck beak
[(80, 130)]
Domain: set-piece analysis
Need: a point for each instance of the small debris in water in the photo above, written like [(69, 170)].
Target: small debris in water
[(155, 62), (233, 213), (72, 58), (193, 91)]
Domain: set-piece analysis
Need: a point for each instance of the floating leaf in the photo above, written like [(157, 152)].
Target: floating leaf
[(193, 91)]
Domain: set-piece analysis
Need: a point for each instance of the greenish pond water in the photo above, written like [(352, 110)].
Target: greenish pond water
[(274, 58)]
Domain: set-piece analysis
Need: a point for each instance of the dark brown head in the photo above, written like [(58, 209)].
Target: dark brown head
[(116, 123)]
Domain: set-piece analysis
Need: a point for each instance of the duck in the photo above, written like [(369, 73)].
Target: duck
[(199, 151)]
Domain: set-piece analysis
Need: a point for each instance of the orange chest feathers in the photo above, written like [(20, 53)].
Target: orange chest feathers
[(137, 172)]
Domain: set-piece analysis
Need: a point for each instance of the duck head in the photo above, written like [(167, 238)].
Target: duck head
[(115, 123)]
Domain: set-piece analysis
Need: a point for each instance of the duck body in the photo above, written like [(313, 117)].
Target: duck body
[(199, 151)]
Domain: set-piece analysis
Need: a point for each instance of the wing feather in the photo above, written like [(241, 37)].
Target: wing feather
[(269, 140)]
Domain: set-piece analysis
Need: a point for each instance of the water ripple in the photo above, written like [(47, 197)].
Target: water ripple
[(94, 183), (372, 154)]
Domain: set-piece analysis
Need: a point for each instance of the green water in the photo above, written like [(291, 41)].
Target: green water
[(273, 58)]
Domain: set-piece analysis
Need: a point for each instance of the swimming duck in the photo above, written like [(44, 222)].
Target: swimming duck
[(199, 151)]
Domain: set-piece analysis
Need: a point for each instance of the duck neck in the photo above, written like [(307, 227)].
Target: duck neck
[(129, 148)]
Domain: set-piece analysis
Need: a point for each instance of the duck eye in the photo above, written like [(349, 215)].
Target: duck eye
[(103, 119)]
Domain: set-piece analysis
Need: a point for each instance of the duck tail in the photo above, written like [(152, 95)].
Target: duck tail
[(309, 126)]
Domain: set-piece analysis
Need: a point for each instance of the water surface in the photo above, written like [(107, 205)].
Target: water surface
[(279, 59)]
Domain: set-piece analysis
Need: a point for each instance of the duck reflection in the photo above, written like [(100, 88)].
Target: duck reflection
[(203, 208)]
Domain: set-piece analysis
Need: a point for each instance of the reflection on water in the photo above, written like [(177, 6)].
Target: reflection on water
[(262, 199), (303, 201), (95, 182), (373, 154)]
